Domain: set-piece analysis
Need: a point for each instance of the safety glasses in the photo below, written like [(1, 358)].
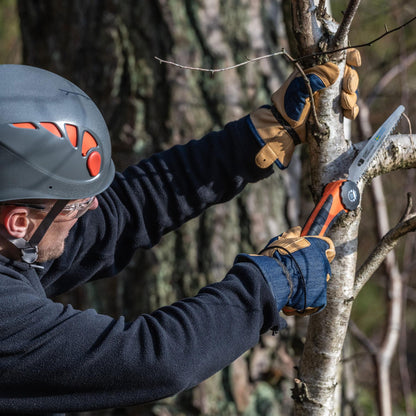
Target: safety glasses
[(70, 211)]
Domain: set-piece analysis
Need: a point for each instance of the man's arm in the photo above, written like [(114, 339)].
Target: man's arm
[(156, 196), (57, 359)]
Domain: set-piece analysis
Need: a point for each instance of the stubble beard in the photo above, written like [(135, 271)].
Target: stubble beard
[(51, 253)]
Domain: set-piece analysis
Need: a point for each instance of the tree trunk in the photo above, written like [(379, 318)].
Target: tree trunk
[(107, 47), (320, 368)]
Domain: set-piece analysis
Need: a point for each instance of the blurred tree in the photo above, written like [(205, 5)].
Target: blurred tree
[(107, 47), (10, 47)]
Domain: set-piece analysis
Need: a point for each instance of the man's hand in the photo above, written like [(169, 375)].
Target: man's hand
[(306, 262), (297, 270), (282, 125)]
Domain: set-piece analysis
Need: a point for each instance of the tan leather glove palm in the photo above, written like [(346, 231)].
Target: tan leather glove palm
[(283, 125)]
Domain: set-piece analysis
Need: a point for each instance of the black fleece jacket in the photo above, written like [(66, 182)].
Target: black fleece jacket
[(54, 358)]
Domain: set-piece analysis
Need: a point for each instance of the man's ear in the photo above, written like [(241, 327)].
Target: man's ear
[(15, 220)]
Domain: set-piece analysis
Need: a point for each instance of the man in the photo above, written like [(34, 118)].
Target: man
[(55, 164)]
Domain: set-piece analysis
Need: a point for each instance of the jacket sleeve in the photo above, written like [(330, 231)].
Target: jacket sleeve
[(57, 359), (155, 196)]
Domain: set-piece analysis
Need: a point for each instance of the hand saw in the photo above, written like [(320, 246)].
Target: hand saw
[(342, 196)]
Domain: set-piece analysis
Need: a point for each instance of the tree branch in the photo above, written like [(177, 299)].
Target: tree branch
[(341, 36), (360, 45), (302, 24), (362, 338), (271, 55), (406, 224), (213, 71), (399, 152)]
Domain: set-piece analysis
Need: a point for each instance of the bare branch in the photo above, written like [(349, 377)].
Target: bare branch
[(213, 71), (360, 45), (362, 338), (399, 152), (387, 243), (271, 55), (341, 36)]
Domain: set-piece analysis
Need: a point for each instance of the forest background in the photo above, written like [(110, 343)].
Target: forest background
[(108, 49)]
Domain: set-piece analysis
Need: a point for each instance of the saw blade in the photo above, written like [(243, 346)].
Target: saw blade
[(361, 163)]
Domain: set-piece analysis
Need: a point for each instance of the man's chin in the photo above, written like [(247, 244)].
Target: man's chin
[(51, 254)]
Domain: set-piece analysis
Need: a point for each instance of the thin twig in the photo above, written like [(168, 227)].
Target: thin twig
[(271, 55), (362, 338), (308, 86), (361, 45), (408, 122), (213, 71)]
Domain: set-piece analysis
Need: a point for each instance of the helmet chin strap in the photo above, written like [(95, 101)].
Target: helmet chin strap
[(29, 249)]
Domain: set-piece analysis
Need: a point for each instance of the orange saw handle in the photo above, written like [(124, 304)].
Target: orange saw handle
[(338, 198)]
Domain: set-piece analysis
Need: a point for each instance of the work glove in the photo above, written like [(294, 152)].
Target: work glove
[(281, 126), (297, 270)]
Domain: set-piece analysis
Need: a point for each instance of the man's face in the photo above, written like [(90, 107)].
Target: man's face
[(52, 244)]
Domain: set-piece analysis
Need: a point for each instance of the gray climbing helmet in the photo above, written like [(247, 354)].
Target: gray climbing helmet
[(54, 143)]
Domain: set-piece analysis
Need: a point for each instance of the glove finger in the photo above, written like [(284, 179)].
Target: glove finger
[(289, 245), (352, 113), (353, 57), (349, 105), (293, 232), (348, 101), (350, 80)]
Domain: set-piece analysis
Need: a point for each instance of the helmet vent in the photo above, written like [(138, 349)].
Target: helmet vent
[(94, 163), (88, 142), (52, 129), (72, 133), (25, 126)]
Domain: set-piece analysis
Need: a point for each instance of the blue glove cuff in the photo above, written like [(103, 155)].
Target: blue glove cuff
[(273, 274)]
